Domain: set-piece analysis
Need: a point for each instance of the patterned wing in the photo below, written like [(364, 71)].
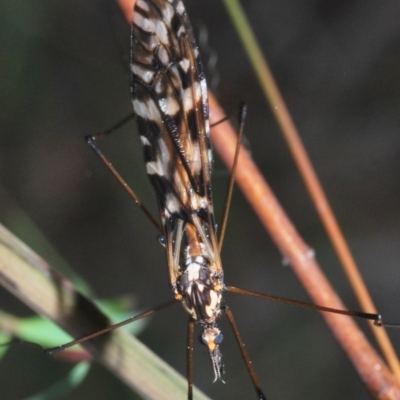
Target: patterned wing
[(169, 97), (170, 101)]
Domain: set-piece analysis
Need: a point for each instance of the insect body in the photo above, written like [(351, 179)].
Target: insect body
[(169, 96)]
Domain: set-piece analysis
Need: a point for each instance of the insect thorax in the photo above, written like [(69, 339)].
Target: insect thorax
[(201, 290)]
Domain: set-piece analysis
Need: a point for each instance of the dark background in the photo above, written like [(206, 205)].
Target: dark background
[(64, 69)]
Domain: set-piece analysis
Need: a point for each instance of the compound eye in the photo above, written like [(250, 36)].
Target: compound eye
[(219, 339)]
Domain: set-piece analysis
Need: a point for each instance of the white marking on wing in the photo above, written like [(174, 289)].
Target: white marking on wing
[(207, 128), (159, 166), (147, 109), (172, 203), (210, 155), (144, 74), (180, 31), (198, 90), (180, 8), (159, 86), (203, 88), (143, 5), (169, 106), (196, 159), (144, 141), (187, 99), (140, 108), (161, 32), (143, 23), (198, 202), (154, 112), (155, 168), (184, 63), (168, 13), (163, 55)]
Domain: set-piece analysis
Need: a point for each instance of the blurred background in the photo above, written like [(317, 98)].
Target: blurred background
[(65, 74)]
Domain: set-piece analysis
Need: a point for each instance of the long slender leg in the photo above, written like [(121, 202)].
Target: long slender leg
[(189, 357), (91, 141), (375, 317), (242, 116), (250, 369), (115, 127), (173, 240), (109, 328)]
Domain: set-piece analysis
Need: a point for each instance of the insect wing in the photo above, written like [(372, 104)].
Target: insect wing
[(169, 97)]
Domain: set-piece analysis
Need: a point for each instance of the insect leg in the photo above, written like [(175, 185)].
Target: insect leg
[(109, 328), (189, 357), (173, 246), (250, 369), (370, 316), (91, 141), (242, 116)]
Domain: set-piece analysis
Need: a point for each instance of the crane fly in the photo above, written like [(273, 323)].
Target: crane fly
[(170, 103)]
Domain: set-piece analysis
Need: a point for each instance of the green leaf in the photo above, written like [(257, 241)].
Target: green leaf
[(39, 330)]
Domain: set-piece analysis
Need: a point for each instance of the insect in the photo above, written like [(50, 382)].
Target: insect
[(169, 96)]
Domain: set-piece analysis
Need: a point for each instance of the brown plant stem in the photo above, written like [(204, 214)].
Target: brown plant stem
[(369, 365), (379, 380), (309, 176)]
